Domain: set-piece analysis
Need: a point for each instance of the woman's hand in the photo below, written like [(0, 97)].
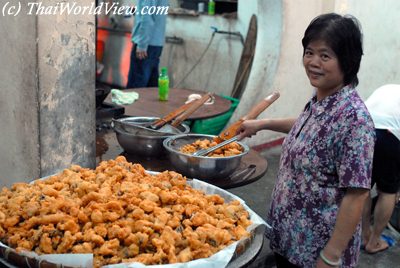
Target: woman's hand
[(248, 128), (347, 219)]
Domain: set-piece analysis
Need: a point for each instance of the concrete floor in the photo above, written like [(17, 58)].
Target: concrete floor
[(257, 196)]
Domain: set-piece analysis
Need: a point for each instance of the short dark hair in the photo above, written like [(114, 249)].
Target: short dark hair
[(343, 35)]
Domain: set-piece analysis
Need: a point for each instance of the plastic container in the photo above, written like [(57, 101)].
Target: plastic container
[(214, 125), (211, 7), (163, 85)]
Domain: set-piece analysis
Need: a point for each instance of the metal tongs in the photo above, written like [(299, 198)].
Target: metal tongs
[(179, 115), (204, 152), (230, 133), (164, 126)]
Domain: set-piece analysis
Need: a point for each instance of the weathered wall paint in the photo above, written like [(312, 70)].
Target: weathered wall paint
[(47, 104), (381, 30), (67, 84), (19, 150), (216, 71)]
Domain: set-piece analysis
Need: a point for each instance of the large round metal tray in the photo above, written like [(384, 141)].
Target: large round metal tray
[(244, 254)]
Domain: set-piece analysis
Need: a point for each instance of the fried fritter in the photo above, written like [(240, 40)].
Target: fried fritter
[(120, 213)]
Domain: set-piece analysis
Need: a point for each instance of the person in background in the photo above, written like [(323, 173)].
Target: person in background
[(384, 107), (148, 37), (325, 168)]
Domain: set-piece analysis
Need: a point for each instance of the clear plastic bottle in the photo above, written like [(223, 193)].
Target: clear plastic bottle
[(211, 7), (163, 85)]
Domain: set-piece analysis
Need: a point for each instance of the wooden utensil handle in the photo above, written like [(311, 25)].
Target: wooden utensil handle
[(169, 117), (194, 106), (230, 131), (261, 106)]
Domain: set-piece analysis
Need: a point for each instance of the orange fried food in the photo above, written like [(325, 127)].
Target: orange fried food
[(119, 213), (230, 149)]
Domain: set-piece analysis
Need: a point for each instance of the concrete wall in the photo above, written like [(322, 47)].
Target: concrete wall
[(217, 69), (381, 29), (67, 100), (19, 140), (379, 65), (266, 58), (48, 103)]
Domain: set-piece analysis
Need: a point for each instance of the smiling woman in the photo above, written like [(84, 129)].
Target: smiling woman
[(330, 63), (325, 170), (322, 68)]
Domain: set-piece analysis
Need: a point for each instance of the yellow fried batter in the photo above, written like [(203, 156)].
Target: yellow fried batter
[(119, 213), (230, 149)]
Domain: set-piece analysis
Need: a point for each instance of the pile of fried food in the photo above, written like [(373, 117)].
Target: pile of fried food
[(119, 213), (230, 149)]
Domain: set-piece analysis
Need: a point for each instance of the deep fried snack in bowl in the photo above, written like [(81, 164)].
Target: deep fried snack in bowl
[(230, 149), (119, 213)]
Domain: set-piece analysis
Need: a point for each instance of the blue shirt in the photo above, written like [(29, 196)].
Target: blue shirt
[(149, 29)]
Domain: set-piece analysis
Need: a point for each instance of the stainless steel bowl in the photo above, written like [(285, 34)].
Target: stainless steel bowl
[(146, 143), (201, 167)]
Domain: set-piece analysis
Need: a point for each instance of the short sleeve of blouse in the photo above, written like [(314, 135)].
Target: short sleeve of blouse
[(355, 151)]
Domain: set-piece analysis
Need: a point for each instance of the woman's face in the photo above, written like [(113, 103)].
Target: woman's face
[(322, 68)]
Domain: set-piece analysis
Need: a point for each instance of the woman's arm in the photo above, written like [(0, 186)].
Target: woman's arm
[(348, 218), (283, 125), (251, 127)]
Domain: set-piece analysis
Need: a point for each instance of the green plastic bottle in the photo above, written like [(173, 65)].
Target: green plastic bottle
[(163, 85), (211, 7)]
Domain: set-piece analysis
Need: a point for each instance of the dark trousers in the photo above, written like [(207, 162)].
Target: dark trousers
[(144, 73), (386, 165), (282, 262)]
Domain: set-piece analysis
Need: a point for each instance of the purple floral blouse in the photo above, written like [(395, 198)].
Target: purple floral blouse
[(329, 149)]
